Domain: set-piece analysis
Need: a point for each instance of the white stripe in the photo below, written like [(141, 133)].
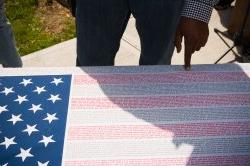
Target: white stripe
[(155, 157), (132, 148), (119, 117), (127, 149), (105, 117)]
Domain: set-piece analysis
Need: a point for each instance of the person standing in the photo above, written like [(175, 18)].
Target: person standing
[(161, 25), (9, 56)]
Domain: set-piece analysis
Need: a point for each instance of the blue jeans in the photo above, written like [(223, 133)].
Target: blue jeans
[(9, 56), (101, 24)]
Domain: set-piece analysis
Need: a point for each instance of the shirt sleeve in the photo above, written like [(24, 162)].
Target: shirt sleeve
[(198, 9)]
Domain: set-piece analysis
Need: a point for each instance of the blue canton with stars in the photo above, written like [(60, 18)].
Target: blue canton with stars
[(33, 114)]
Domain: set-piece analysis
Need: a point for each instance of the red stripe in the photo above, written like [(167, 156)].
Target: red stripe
[(178, 77), (160, 101), (198, 161), (159, 131)]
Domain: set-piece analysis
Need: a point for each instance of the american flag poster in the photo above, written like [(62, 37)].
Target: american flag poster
[(131, 116)]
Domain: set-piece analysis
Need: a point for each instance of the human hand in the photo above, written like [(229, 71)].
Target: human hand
[(195, 35)]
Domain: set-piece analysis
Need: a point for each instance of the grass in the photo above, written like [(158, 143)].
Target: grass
[(30, 33)]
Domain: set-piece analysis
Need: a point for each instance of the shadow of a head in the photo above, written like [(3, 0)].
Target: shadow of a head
[(171, 117)]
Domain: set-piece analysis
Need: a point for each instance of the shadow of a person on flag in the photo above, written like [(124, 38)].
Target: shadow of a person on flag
[(166, 116)]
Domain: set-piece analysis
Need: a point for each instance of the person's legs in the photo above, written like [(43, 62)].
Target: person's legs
[(156, 22), (100, 25), (9, 56)]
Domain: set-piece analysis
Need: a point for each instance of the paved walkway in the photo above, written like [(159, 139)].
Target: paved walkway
[(64, 54)]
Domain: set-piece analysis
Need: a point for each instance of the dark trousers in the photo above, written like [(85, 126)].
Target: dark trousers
[(101, 24), (9, 56)]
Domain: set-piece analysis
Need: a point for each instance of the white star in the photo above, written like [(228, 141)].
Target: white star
[(8, 141), (43, 164), (24, 154), (57, 81), (7, 91), (36, 108), (50, 117), (3, 109), (6, 164), (54, 98), (15, 119), (39, 90), (47, 140), (26, 82), (21, 99), (30, 129)]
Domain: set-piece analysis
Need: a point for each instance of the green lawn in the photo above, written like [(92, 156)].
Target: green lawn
[(29, 32)]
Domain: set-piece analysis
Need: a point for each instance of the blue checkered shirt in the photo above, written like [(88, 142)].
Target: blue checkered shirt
[(198, 9)]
